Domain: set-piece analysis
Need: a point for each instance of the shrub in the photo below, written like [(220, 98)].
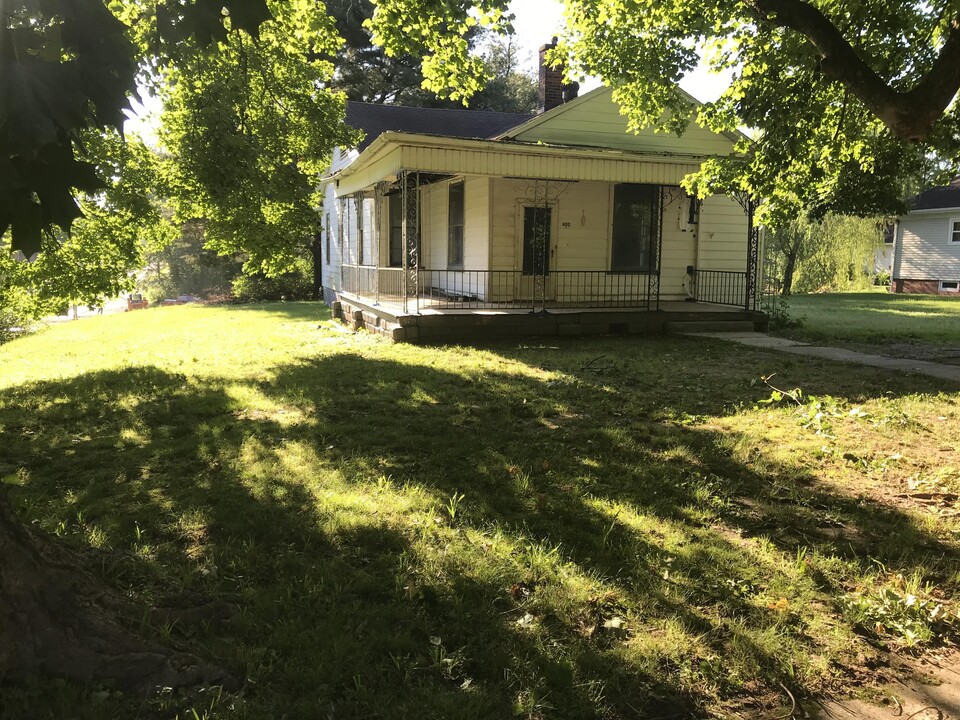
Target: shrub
[(294, 285), (882, 278), (18, 311)]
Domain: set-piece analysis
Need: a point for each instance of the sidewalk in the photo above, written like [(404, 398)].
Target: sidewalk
[(768, 342)]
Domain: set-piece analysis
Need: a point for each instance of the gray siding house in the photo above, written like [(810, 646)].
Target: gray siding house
[(926, 250)]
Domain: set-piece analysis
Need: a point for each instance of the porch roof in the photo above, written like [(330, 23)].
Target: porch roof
[(393, 152)]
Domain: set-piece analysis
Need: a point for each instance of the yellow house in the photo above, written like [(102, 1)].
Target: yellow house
[(457, 223)]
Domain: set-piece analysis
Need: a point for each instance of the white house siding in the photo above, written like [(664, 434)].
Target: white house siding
[(923, 248), (722, 235), (340, 221), (582, 237), (679, 246), (435, 237)]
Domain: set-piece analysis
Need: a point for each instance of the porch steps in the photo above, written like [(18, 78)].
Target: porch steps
[(681, 327), (363, 318)]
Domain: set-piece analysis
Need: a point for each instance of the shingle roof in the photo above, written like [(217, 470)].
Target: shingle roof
[(938, 197), (377, 119)]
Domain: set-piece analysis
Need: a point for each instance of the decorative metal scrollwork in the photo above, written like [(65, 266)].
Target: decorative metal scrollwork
[(671, 194), (542, 192), (744, 199), (753, 262), (379, 190), (410, 198)]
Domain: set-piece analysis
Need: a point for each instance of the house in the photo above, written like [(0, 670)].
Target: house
[(461, 224), (926, 246)]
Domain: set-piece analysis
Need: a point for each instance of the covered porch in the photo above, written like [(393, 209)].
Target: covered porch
[(489, 231)]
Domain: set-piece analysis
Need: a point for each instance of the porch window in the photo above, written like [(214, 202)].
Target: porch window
[(634, 227), (395, 213), (455, 227)]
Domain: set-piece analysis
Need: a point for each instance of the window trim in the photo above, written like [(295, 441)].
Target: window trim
[(956, 283), (656, 221), (462, 225), (953, 231)]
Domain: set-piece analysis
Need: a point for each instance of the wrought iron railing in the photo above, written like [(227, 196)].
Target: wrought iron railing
[(445, 289), (600, 289), (721, 287), (477, 289)]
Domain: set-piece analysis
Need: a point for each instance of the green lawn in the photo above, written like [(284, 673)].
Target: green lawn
[(921, 326), (603, 528)]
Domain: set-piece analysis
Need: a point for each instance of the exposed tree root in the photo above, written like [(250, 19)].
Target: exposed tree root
[(58, 621)]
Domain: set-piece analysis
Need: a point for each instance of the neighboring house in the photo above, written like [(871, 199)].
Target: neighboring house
[(457, 223), (883, 255), (926, 248)]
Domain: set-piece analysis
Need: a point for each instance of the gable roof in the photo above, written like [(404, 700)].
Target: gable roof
[(938, 198), (594, 119), (374, 120)]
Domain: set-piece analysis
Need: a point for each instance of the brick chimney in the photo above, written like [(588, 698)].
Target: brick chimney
[(553, 91), (551, 80)]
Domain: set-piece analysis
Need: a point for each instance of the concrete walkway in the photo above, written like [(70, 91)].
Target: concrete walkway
[(767, 342)]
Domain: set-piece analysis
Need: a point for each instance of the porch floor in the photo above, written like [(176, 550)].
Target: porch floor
[(434, 323)]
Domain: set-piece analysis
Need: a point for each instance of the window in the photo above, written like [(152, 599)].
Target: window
[(396, 231), (634, 227), (950, 286), (395, 212), (455, 227), (954, 231)]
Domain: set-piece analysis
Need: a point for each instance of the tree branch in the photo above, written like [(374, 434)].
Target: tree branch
[(909, 114)]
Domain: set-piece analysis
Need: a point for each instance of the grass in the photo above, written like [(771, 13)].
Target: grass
[(603, 528), (922, 326)]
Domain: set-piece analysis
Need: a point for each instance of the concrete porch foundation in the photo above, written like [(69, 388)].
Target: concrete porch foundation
[(454, 325)]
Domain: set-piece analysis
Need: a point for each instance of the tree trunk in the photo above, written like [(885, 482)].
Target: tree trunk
[(316, 251), (58, 621), (788, 270)]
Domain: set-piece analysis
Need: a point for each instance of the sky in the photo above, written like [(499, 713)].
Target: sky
[(537, 21)]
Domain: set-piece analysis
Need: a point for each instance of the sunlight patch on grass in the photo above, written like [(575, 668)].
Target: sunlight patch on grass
[(512, 530)]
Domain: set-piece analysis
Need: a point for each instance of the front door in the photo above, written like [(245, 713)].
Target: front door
[(537, 252)]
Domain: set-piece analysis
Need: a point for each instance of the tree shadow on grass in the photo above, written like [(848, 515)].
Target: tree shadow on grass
[(409, 540)]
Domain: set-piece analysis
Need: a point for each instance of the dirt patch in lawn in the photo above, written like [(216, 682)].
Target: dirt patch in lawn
[(926, 688)]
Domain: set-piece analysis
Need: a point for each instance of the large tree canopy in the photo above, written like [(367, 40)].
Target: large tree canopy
[(249, 128), (842, 97)]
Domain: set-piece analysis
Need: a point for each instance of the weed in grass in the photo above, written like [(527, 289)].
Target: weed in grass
[(904, 611), (453, 505)]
